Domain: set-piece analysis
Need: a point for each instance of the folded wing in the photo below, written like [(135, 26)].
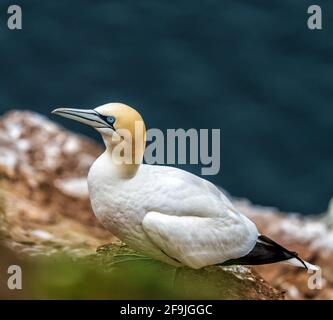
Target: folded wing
[(199, 241)]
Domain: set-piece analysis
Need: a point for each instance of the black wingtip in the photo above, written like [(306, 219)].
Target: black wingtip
[(293, 254), (265, 251)]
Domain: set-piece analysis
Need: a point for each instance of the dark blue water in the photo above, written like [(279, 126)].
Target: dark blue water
[(251, 68)]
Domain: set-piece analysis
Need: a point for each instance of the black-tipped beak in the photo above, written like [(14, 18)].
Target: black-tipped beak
[(87, 116)]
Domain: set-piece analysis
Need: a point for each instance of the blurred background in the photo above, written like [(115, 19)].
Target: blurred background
[(252, 69)]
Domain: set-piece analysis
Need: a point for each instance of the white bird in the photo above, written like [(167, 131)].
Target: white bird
[(163, 212)]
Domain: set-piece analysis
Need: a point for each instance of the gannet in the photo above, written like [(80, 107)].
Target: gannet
[(164, 212)]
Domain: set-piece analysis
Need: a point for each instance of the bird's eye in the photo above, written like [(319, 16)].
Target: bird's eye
[(110, 119)]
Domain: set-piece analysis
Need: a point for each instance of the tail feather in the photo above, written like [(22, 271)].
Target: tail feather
[(268, 251), (296, 263)]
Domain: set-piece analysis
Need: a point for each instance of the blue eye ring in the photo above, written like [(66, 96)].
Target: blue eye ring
[(110, 119)]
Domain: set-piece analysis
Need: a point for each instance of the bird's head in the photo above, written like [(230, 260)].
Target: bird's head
[(122, 128)]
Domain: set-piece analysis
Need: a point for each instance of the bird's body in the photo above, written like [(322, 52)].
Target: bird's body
[(188, 205), (166, 213)]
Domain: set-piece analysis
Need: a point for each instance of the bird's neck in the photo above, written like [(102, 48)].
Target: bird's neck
[(124, 158)]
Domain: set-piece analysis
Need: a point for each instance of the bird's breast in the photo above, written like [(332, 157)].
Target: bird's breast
[(110, 200)]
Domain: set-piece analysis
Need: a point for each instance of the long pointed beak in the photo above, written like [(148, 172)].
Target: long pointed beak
[(87, 116)]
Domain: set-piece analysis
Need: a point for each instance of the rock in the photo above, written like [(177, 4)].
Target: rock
[(234, 282), (311, 237), (40, 162)]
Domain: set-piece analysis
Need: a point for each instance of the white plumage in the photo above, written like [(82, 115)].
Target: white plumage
[(167, 212)]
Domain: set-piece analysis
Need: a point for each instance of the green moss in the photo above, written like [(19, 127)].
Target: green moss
[(117, 272)]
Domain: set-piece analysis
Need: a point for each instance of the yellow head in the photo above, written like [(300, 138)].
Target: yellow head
[(122, 128)]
